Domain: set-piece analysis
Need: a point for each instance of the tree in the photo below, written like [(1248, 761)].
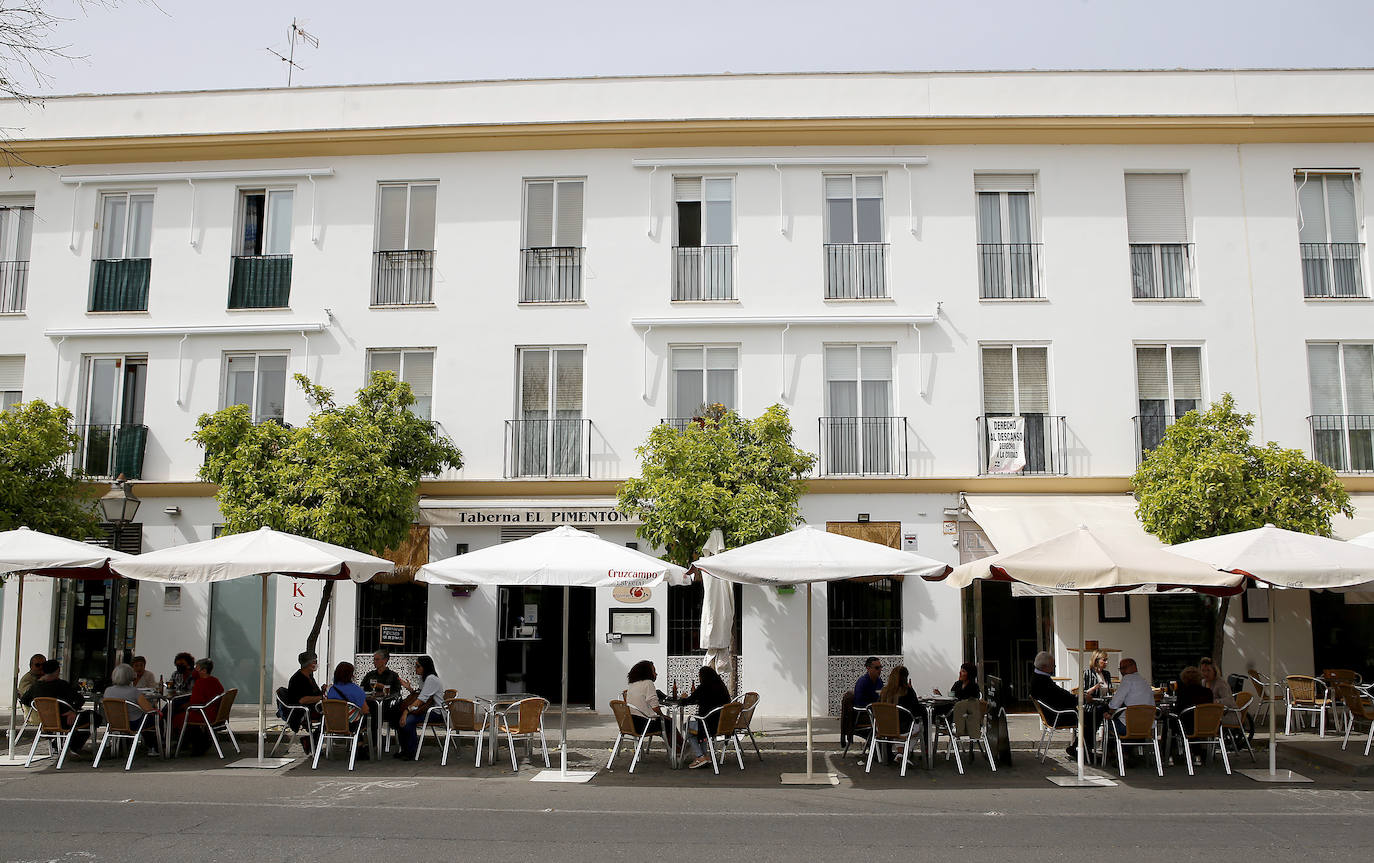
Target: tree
[(1206, 478), (37, 487), (721, 471), (350, 475)]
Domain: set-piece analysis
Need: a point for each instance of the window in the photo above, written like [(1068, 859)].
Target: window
[(550, 436), (261, 277), (704, 254), (415, 367), (864, 617), (1168, 385), (112, 437), (703, 376), (553, 242), (684, 619), (258, 381), (1329, 234), (860, 434), (11, 382), (16, 237), (1341, 376), (855, 254), (1157, 230), (403, 265), (404, 604), (120, 272), (1008, 254), (1016, 384)]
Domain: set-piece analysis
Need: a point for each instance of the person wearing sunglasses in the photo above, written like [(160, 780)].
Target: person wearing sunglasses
[(31, 676), (869, 687)]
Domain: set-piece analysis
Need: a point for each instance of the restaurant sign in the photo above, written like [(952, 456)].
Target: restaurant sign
[(392, 633), (630, 595), (437, 513)]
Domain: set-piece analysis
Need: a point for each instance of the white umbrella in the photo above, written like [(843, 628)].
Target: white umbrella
[(261, 552), (23, 551), (563, 557), (1082, 561), (1284, 559), (717, 613), (804, 556)]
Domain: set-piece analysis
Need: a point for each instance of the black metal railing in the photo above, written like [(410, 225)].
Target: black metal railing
[(679, 423), (560, 447), (260, 282), (552, 275), (1162, 271), (403, 277), (106, 451), (14, 285), (1039, 443), (703, 273), (863, 446), (1149, 431), (1343, 442), (855, 271), (120, 284), (1009, 271), (1332, 270)]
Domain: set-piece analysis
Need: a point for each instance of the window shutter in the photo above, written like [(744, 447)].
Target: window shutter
[(384, 361), (1187, 367), (11, 374), (686, 358), (569, 383), (140, 227), (1154, 208), (720, 195), (722, 358), (868, 187), (1032, 380), (686, 188), (421, 233), (1340, 201), (419, 372), (997, 392), (569, 217), (1324, 377), (1004, 182), (842, 363), (875, 363), (534, 381), (1359, 379), (391, 218), (1151, 374), (538, 215), (839, 187), (278, 241), (24, 239), (114, 212)]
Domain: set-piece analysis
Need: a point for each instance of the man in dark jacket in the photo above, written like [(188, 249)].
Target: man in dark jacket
[(1045, 691), (50, 685)]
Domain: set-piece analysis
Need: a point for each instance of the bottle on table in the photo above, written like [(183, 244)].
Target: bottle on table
[(161, 685)]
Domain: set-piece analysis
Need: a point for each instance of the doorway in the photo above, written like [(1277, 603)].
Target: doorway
[(529, 643), (1001, 631), (97, 620)]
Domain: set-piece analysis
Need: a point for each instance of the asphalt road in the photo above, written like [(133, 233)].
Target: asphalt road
[(193, 810)]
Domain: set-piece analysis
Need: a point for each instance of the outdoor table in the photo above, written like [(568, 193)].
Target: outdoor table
[(932, 704), (377, 705), (492, 704), (677, 725)]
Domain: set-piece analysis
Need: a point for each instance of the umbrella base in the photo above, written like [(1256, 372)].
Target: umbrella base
[(261, 763), (1085, 782), (19, 760), (1263, 775), (810, 779), (560, 776)]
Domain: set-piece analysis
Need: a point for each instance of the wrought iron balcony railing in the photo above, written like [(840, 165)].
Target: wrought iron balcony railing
[(1162, 271), (1343, 442), (403, 278), (552, 275), (1009, 271), (106, 451), (703, 273), (863, 446), (1332, 270), (548, 448), (1149, 431), (855, 271), (1038, 442), (14, 285)]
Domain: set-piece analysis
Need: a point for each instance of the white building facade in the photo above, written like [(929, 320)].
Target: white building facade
[(900, 260)]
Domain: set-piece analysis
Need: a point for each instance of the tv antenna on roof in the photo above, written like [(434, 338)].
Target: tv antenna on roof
[(296, 34)]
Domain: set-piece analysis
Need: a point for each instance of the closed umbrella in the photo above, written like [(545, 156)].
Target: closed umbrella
[(31, 551), (563, 557), (717, 613), (1285, 560), (261, 552), (805, 556)]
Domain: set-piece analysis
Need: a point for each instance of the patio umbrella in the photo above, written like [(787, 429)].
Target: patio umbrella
[(805, 556), (563, 557), (31, 551), (1287, 560), (261, 552), (717, 613), (1081, 562)]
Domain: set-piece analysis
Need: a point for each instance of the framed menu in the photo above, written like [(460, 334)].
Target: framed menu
[(632, 621), (1254, 605)]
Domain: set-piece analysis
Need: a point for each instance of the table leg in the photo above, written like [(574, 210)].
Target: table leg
[(673, 718), (926, 733), (491, 734)]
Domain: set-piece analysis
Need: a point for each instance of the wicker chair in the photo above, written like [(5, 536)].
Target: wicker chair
[(529, 721), (749, 701), (727, 732), (625, 727), (339, 720), (49, 726), (214, 715), (887, 728), (1142, 729), (944, 724), (1206, 732), (1305, 694), (118, 726), (464, 720), (1360, 711), (1049, 724), (1334, 677)]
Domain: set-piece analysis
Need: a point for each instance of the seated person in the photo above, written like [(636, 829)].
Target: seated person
[(966, 715), (344, 687), (898, 691), (31, 676), (711, 694), (1097, 680), (302, 689), (184, 674), (204, 690), (381, 675), (122, 687), (1191, 692), (1043, 690), (1133, 690), (1214, 680), (143, 678), (430, 694), (642, 697), (51, 685), (868, 687)]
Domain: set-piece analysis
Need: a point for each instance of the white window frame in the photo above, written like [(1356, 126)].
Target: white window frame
[(734, 208), (1321, 175), (520, 351), (1016, 375), (9, 241), (377, 218), (10, 398), (1004, 220), (128, 195), (1190, 274), (257, 373), (1204, 399), (893, 396), (404, 352), (703, 347), (1341, 345), (854, 207), (524, 212), (241, 220)]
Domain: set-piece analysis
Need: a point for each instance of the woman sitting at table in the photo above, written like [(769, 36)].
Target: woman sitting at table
[(898, 691), (430, 694), (184, 673), (709, 695), (966, 715), (121, 687), (642, 697), (203, 691), (1097, 680), (1191, 693), (344, 687), (1213, 679)]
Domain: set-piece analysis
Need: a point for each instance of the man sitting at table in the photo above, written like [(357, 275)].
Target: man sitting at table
[(381, 675), (1043, 690), (1131, 691), (870, 686), (50, 685), (303, 690), (143, 678)]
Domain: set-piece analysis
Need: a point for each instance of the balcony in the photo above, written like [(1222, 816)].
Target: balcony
[(1042, 447), (1009, 271), (403, 278), (1343, 443), (1332, 270), (120, 284), (1162, 271), (552, 275), (1149, 431), (260, 282), (863, 446), (548, 448), (703, 273), (855, 271), (106, 451), (14, 286)]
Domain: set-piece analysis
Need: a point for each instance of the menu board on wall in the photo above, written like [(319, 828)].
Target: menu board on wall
[(1180, 634)]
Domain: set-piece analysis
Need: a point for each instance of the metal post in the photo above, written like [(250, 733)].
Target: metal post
[(262, 677), (1273, 694), (1082, 738), (978, 657), (18, 629), (563, 714), (809, 754)]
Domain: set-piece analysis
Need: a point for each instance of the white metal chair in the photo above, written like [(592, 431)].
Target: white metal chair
[(625, 728), (1360, 711), (749, 701), (49, 726), (214, 715), (286, 711), (437, 715), (1049, 725), (1266, 698), (119, 726), (1142, 729), (26, 711), (1207, 731), (887, 728), (945, 722), (339, 720), (461, 720), (529, 721), (727, 732), (1234, 722), (1303, 693)]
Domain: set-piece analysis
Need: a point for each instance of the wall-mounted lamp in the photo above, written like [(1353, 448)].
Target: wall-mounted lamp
[(171, 510), (461, 590), (863, 518)]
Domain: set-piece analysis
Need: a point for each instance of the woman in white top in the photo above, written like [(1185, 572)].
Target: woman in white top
[(430, 694), (642, 696), (1212, 679)]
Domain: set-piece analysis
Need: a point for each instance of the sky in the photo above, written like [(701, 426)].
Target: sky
[(141, 45)]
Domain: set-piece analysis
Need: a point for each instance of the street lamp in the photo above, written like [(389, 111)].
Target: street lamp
[(119, 504)]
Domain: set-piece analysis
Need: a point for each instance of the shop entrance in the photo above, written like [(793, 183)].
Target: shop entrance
[(97, 620), (1011, 629), (529, 643)]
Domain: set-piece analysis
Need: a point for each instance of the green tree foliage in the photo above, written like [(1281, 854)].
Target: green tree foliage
[(722, 471), (350, 475), (37, 488)]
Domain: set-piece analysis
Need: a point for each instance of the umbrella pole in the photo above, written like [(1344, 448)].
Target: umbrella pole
[(18, 630), (809, 753), (563, 714), (1082, 738), (1273, 691), (262, 677)]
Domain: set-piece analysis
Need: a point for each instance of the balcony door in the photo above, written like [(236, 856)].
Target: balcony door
[(1341, 377), (550, 438), (1016, 383), (113, 434), (859, 428), (1169, 385)]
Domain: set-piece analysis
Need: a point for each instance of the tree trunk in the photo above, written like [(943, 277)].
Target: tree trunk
[(1219, 631), (314, 637)]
